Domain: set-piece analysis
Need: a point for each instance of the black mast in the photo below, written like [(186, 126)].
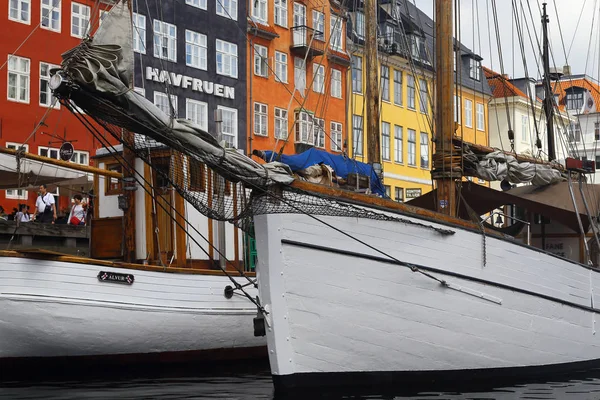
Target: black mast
[(548, 94)]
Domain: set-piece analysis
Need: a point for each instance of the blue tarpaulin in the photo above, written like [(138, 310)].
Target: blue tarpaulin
[(341, 164)]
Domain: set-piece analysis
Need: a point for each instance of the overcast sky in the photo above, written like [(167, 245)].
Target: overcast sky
[(476, 33)]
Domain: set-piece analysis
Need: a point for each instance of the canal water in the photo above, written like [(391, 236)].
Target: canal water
[(241, 385)]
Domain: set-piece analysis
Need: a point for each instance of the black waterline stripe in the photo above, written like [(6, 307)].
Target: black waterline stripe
[(440, 271)]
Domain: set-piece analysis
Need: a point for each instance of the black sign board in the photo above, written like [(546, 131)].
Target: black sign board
[(66, 151), (115, 277)]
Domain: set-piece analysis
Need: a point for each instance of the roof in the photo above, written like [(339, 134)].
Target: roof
[(552, 201), (501, 86), (560, 87)]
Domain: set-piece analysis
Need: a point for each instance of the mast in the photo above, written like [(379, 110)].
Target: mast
[(548, 95), (372, 89), (444, 119)]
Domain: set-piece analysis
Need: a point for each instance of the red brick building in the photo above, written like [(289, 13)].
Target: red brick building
[(34, 35)]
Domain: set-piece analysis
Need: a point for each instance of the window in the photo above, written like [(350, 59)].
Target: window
[(162, 102), (424, 150), (468, 113), (337, 38), (165, 41), (398, 144), (229, 125), (423, 98), (456, 109), (304, 128), (195, 50), (19, 10), (261, 118), (319, 25), (474, 68), (574, 132), (357, 134), (140, 91), (281, 17), (399, 194), (281, 123), (480, 117), (80, 20), (299, 20), (51, 15), (113, 185), (197, 112), (417, 47), (319, 129), (46, 97), (412, 148), (227, 9), (281, 66), (197, 175), (410, 91), (227, 59), (385, 140), (336, 83), (139, 33), (16, 193), (524, 128), (319, 78), (102, 14), (597, 161), (385, 83), (197, 3), (574, 101), (336, 136), (300, 74), (596, 130), (360, 25), (398, 87), (388, 191), (356, 74), (18, 79), (259, 10), (48, 152), (80, 157), (261, 60)]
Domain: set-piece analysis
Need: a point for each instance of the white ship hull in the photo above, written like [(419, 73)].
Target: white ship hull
[(55, 309), (342, 313)]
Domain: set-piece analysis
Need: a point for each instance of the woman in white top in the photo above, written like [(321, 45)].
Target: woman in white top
[(22, 215), (77, 214)]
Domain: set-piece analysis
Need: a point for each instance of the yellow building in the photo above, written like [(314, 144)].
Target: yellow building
[(407, 92)]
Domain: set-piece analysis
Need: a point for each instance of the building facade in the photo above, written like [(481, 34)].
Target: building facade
[(297, 67), (406, 84), (35, 33)]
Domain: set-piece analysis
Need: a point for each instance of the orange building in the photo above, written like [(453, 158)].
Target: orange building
[(297, 65)]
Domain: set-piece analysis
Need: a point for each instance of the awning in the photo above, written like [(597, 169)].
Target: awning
[(551, 201)]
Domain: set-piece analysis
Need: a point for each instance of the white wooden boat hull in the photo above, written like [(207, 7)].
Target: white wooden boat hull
[(61, 309), (342, 313)]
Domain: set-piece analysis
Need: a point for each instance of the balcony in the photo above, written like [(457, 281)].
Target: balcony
[(307, 41)]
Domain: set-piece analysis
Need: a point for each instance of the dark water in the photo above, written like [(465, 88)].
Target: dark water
[(243, 385)]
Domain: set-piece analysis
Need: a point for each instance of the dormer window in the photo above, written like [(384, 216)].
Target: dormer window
[(360, 25), (575, 101), (474, 69), (416, 46)]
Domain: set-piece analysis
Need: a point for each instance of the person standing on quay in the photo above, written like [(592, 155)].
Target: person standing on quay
[(45, 206)]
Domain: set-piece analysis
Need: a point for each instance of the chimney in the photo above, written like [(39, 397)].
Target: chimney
[(567, 70)]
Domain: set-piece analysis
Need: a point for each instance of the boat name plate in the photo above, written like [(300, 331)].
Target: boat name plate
[(115, 277)]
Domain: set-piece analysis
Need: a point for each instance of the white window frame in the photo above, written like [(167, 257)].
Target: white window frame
[(424, 151), (337, 136), (163, 96), (46, 80), (319, 130), (201, 110), (281, 67), (524, 128), (457, 109), (360, 24), (468, 113), (336, 83), (318, 78), (385, 83), (19, 74), (300, 69), (56, 156), (139, 33), (164, 31), (281, 123), (53, 8), (201, 4), (357, 74), (76, 157), (19, 9), (474, 69), (336, 25), (17, 194), (480, 117), (229, 58), (304, 128), (398, 144), (412, 148), (358, 134), (230, 138), (82, 19), (261, 119), (260, 11), (399, 194), (196, 48), (411, 93), (227, 9), (423, 97), (385, 141), (281, 13), (318, 24), (261, 61)]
